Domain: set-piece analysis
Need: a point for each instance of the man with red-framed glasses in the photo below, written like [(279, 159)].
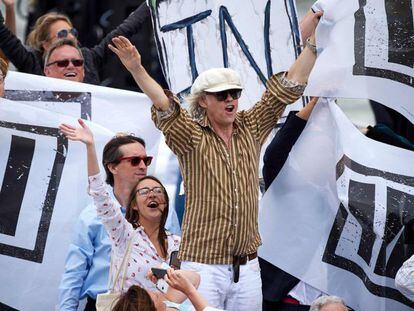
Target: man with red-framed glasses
[(87, 264), (64, 60)]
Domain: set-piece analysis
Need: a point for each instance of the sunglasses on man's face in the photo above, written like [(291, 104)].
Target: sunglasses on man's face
[(135, 160), (65, 63), (222, 96), (64, 33)]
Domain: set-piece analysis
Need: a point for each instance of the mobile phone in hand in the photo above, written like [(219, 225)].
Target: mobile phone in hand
[(162, 286), (175, 263), (158, 272)]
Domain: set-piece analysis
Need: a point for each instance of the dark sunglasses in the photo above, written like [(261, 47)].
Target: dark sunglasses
[(64, 33), (65, 62), (135, 160), (222, 96)]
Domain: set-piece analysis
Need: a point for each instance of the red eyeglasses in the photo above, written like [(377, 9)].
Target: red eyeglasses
[(136, 160), (65, 62)]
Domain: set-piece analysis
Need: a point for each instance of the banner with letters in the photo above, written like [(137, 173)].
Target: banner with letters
[(366, 50), (335, 212), (43, 177), (257, 38)]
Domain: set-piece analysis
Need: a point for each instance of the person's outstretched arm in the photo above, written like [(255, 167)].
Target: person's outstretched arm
[(110, 215), (130, 26), (24, 60), (10, 15), (301, 68), (131, 59), (279, 148), (185, 282)]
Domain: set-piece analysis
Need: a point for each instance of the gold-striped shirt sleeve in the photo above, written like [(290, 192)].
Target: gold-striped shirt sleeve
[(220, 181)]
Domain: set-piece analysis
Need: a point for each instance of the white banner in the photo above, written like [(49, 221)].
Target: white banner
[(255, 37), (44, 178), (366, 50), (334, 212)]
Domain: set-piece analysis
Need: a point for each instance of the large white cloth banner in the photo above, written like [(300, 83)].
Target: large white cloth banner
[(43, 176), (332, 217), (255, 37), (366, 50)]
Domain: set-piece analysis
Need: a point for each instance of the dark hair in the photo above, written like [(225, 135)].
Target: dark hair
[(132, 215), (111, 152), (135, 299), (58, 44)]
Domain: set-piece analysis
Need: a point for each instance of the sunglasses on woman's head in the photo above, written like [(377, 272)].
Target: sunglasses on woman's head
[(64, 33), (65, 62), (135, 160), (222, 95)]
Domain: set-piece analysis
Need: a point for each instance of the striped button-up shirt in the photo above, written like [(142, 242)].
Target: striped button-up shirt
[(220, 182)]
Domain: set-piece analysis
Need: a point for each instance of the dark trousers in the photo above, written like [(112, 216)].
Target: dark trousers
[(280, 306), (90, 305)]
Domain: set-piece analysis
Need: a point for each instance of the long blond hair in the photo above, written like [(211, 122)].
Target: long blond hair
[(41, 29), (4, 66)]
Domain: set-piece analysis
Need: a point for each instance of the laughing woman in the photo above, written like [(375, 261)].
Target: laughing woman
[(142, 228)]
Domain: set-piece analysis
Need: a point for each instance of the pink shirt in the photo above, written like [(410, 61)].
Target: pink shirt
[(143, 253)]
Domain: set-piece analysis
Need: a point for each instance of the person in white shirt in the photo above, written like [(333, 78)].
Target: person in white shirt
[(404, 279)]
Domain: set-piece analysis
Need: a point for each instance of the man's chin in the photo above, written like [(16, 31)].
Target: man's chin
[(75, 78), (140, 176)]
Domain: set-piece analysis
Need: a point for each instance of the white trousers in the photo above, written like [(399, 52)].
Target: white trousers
[(217, 286)]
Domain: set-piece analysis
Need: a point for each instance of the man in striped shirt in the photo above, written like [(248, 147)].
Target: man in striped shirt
[(218, 150)]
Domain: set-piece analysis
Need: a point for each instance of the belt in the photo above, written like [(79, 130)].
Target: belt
[(238, 261)]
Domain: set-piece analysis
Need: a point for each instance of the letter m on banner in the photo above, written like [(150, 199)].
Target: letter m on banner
[(388, 54), (367, 236)]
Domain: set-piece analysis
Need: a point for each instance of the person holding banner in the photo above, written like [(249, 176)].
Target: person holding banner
[(143, 226), (53, 26), (218, 149), (282, 291), (87, 263)]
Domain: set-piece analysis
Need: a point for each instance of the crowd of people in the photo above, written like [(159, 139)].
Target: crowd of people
[(121, 236)]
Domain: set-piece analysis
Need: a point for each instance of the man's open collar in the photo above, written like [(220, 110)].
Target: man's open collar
[(205, 122)]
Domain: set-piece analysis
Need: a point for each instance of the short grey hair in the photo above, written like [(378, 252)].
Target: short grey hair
[(196, 111), (58, 44), (326, 300)]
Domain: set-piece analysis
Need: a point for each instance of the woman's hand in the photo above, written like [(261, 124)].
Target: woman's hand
[(178, 281), (83, 133), (127, 53), (150, 276)]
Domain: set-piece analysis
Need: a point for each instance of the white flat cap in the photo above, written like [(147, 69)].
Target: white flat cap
[(216, 80)]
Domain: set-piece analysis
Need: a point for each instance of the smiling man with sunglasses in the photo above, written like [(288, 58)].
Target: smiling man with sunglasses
[(64, 60), (87, 264), (218, 149)]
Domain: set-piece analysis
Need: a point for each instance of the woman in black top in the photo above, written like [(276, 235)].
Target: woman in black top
[(53, 26)]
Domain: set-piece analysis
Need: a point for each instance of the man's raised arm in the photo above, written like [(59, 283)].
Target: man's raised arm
[(131, 59)]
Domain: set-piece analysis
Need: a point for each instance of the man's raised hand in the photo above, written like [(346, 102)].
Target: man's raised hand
[(127, 53)]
